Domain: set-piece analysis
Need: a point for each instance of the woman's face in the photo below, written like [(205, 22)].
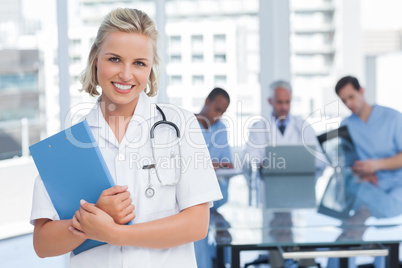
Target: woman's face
[(124, 64)]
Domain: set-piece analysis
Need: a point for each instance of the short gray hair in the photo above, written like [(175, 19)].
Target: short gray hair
[(279, 84)]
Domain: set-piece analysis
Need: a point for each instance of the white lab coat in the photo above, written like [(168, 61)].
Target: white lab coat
[(265, 133), (125, 161)]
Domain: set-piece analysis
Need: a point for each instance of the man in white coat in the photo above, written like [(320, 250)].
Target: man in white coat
[(280, 128)]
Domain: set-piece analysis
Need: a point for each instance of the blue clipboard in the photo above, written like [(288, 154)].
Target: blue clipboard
[(72, 168)]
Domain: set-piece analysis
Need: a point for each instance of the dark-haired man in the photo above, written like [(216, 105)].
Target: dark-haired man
[(376, 133), (216, 138), (214, 130)]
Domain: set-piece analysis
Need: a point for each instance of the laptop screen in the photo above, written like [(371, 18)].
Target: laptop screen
[(288, 159)]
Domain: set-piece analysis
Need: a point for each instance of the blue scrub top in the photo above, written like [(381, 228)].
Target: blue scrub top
[(379, 137), (216, 138)]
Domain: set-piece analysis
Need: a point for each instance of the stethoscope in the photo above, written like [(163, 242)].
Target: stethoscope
[(150, 192)]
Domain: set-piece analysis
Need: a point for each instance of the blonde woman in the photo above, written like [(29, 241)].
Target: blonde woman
[(169, 206)]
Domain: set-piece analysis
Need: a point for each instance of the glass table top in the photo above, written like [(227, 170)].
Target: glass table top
[(347, 210), (287, 236), (237, 223)]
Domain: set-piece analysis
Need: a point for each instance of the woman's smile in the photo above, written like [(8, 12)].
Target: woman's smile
[(122, 88)]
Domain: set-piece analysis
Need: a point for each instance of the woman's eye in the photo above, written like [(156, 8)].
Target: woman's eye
[(139, 63), (114, 59)]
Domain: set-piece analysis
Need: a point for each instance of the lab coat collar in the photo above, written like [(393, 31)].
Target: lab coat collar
[(144, 112), (277, 122)]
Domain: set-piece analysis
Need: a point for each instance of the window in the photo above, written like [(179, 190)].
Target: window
[(175, 79), (220, 79), (20, 82), (197, 43), (220, 58), (175, 58), (198, 79), (76, 60), (175, 43), (197, 39), (75, 79), (197, 58), (75, 42), (219, 42)]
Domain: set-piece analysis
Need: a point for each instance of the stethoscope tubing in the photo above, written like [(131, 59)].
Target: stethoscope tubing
[(152, 135)]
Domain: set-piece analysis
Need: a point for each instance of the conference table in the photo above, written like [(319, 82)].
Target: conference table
[(348, 219), (304, 233)]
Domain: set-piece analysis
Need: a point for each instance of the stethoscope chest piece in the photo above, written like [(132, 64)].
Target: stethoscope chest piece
[(149, 192)]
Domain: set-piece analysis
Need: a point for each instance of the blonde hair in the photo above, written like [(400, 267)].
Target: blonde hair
[(122, 20)]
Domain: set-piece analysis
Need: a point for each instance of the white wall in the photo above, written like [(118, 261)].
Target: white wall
[(389, 80), (17, 177)]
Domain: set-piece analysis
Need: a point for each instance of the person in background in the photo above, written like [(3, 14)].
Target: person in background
[(214, 130), (123, 62), (216, 138), (376, 132), (280, 127)]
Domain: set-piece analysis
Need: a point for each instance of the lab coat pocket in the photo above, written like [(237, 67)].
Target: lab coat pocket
[(158, 197)]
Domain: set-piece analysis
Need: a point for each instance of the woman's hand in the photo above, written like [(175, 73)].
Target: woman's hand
[(116, 202), (90, 222)]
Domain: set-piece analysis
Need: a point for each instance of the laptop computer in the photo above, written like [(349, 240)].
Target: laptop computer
[(288, 173)]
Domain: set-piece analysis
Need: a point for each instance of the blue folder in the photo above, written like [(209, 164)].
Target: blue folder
[(72, 168)]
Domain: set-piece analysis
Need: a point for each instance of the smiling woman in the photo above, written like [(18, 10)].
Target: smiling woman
[(124, 22), (123, 67), (123, 62)]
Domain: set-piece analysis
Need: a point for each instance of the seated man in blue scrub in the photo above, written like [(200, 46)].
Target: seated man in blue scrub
[(215, 134), (376, 133), (216, 138)]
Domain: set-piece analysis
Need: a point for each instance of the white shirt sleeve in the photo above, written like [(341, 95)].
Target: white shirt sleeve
[(42, 206), (199, 183)]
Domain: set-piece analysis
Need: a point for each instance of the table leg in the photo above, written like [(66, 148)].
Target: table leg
[(393, 256), (220, 258), (343, 262), (235, 257)]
